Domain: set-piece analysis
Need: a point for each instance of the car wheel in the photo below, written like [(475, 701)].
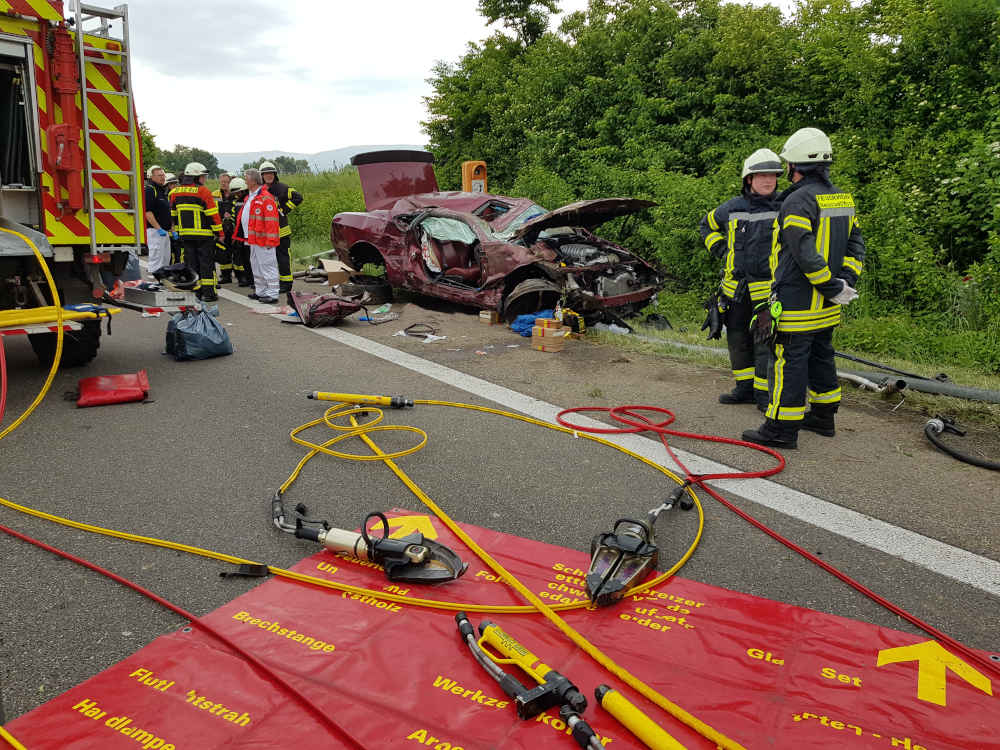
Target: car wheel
[(379, 290), (530, 296), (79, 347)]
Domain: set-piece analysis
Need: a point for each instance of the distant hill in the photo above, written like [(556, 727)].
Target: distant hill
[(324, 160)]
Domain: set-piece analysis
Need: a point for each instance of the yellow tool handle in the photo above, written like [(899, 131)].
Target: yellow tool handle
[(351, 398), (514, 652), (634, 720)]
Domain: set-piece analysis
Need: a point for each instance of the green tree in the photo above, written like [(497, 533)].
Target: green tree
[(528, 19), (175, 160), (285, 164), (150, 153)]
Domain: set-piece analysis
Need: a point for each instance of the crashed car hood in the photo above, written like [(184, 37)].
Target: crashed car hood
[(587, 214)]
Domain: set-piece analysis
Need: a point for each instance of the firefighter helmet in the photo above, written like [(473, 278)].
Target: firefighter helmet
[(149, 172), (170, 177), (195, 169), (266, 166), (807, 146), (237, 183), (762, 161)]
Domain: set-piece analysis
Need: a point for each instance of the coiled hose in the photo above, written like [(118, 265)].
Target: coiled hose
[(936, 426)]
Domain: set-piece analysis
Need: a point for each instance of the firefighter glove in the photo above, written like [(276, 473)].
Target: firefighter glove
[(713, 320), (764, 323), (845, 295)]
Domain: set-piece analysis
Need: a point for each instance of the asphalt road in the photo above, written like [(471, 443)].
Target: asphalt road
[(199, 462)]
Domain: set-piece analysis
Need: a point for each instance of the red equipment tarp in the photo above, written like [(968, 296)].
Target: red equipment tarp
[(765, 674)]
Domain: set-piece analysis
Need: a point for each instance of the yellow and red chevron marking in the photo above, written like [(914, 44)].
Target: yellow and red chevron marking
[(49, 10), (106, 112)]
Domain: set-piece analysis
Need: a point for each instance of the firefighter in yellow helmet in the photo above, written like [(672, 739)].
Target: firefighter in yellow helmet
[(287, 198), (196, 218), (739, 233), (817, 261)]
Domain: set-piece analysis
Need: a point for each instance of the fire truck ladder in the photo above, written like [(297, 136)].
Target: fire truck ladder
[(89, 53)]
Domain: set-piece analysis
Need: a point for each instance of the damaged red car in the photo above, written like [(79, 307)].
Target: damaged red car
[(489, 251)]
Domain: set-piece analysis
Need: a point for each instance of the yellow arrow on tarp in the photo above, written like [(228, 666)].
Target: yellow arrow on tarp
[(933, 663), (402, 525)]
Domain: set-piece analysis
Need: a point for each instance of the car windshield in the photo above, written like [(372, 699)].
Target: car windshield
[(531, 212)]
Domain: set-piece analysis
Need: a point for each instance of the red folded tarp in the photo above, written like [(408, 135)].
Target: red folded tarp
[(113, 389), (766, 674)]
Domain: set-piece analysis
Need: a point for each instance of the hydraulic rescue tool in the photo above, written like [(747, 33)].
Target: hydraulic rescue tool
[(411, 559), (553, 689), (635, 720), (622, 557), (396, 402)]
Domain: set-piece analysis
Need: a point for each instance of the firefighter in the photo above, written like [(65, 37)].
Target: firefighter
[(287, 198), (817, 260), (241, 252), (739, 232), (224, 254), (176, 248), (196, 218)]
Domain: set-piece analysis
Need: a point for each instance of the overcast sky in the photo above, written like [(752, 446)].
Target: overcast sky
[(294, 75)]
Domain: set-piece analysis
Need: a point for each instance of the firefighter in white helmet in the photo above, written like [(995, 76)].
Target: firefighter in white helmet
[(241, 251), (288, 198), (197, 220), (739, 233), (817, 260)]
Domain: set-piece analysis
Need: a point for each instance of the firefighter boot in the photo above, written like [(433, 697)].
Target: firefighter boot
[(741, 394), (775, 434), (819, 419)]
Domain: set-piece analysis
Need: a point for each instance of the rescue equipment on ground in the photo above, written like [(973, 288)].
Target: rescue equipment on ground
[(621, 558), (317, 310), (634, 720), (196, 335), (410, 559), (938, 425), (112, 389), (553, 688), (582, 732)]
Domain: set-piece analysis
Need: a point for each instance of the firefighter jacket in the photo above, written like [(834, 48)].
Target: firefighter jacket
[(194, 211), (235, 210), (225, 204), (818, 244), (287, 198), (740, 232), (263, 224)]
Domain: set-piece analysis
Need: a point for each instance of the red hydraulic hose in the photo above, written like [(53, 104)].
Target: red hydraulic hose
[(637, 423), (310, 707)]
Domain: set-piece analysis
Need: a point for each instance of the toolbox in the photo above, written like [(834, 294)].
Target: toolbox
[(159, 297)]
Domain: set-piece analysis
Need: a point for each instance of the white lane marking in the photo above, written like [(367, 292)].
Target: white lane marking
[(953, 562)]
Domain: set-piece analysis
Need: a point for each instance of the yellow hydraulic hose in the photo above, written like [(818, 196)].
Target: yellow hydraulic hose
[(59, 335)]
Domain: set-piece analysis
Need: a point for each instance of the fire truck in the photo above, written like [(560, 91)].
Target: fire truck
[(70, 169)]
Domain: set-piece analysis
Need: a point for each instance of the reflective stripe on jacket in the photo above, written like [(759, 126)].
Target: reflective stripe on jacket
[(819, 244), (740, 232), (287, 198), (194, 211)]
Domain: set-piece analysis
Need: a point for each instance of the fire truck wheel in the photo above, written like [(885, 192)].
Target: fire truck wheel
[(79, 347)]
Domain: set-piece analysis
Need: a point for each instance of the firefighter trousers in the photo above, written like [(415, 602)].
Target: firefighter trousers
[(803, 367), (199, 256), (283, 254), (241, 262), (224, 256), (749, 360)]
